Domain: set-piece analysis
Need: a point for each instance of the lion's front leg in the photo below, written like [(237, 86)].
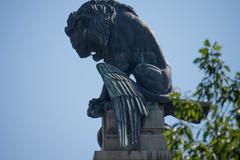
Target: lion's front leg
[(97, 106)]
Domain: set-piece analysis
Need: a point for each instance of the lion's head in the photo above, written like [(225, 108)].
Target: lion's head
[(89, 28)]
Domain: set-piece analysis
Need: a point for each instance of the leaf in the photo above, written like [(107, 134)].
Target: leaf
[(215, 60), (188, 133), (207, 43), (204, 51), (198, 133), (217, 47), (197, 60), (226, 68)]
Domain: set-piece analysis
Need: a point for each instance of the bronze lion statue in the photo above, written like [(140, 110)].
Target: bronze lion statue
[(110, 31)]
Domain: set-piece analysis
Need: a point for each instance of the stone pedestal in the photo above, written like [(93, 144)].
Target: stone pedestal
[(131, 155), (151, 146)]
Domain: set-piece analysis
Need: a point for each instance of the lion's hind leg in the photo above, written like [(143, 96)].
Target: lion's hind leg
[(152, 79)]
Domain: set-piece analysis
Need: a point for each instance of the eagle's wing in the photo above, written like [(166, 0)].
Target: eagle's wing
[(128, 103)]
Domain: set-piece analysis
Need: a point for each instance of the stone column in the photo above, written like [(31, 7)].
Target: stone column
[(151, 146)]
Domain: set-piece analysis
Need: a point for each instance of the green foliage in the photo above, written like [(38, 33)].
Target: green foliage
[(218, 137)]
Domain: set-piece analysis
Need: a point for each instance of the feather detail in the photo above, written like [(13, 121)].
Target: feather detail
[(128, 103)]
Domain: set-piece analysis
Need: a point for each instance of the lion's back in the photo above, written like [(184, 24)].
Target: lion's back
[(133, 37)]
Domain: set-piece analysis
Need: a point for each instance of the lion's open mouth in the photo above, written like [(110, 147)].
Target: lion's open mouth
[(93, 53), (96, 57)]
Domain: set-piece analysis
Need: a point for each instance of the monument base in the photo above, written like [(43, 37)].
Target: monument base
[(151, 145), (132, 155)]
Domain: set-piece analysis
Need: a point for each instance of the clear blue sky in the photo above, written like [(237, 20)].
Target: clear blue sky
[(45, 87)]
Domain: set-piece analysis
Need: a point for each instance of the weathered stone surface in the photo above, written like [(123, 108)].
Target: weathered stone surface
[(155, 120), (152, 142), (110, 135), (132, 155), (151, 138), (111, 143)]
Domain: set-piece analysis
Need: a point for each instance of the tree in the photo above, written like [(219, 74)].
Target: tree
[(217, 137)]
